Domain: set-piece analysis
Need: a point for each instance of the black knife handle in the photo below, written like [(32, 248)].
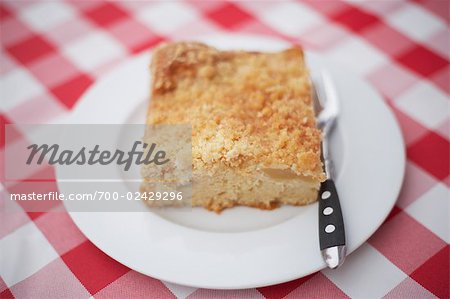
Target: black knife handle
[(331, 224)]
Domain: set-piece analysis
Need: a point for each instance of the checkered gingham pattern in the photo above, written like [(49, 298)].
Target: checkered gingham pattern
[(52, 51)]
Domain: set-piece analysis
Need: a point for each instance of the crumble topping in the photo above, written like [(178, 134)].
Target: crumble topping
[(245, 108)]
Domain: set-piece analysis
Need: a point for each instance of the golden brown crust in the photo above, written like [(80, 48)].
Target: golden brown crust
[(259, 205), (245, 108)]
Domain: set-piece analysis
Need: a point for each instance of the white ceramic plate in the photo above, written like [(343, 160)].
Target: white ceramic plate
[(244, 247)]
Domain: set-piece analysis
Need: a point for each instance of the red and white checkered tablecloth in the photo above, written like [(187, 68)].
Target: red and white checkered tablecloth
[(52, 51)]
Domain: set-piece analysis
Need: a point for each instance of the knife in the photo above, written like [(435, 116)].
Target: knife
[(331, 223)]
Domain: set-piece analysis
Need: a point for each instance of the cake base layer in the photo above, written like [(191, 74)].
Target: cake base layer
[(265, 189)]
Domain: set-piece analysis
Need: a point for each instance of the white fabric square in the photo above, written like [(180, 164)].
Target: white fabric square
[(47, 105), (366, 273), (425, 103), (415, 22), (23, 253), (166, 17), (256, 7), (440, 42), (291, 18), (357, 56), (7, 63), (47, 14), (432, 210), (18, 86), (178, 290), (93, 50), (380, 8)]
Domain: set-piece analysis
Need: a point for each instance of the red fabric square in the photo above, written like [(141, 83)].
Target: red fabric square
[(387, 39), (328, 7), (229, 15), (406, 242), (432, 154), (35, 215), (60, 231), (394, 212), (355, 19), (46, 173), (70, 91), (324, 36), (4, 12), (92, 267), (411, 129), (85, 5), (433, 274), (135, 285), (408, 288), (38, 183), (422, 60), (14, 31), (54, 280), (106, 14), (415, 184), (6, 294), (30, 49), (204, 6), (383, 77), (70, 31), (442, 79), (53, 69), (281, 290), (318, 286), (33, 208), (220, 294)]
